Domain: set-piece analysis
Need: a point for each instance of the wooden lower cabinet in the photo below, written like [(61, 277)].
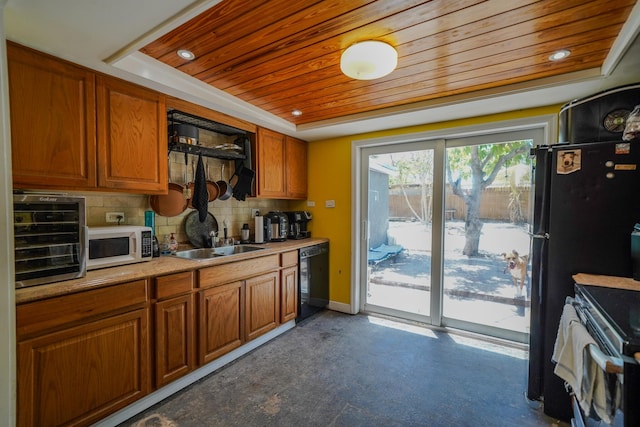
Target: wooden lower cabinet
[(174, 327), (288, 294), (85, 355), (174, 343), (79, 375), (262, 305), (221, 324)]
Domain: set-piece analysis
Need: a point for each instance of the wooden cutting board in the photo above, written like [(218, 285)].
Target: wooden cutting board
[(607, 281)]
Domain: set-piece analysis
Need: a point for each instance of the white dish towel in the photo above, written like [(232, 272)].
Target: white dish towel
[(576, 367)]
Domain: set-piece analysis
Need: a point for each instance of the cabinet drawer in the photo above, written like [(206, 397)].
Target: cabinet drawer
[(289, 259), (172, 285), (231, 272), (52, 313)]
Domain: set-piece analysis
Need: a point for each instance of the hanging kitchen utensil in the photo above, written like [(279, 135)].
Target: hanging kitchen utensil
[(191, 186), (212, 186), (198, 232), (244, 183), (171, 204), (187, 191), (225, 187), (200, 198)]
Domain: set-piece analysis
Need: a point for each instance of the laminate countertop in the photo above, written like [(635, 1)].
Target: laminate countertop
[(160, 266)]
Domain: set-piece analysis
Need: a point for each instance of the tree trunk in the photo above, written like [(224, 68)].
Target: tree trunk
[(472, 227)]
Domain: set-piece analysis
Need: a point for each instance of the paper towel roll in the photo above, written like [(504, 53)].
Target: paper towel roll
[(259, 229)]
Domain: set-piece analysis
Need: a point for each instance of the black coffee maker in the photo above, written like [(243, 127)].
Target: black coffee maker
[(298, 224)]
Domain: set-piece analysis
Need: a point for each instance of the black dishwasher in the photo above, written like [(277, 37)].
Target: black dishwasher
[(313, 292)]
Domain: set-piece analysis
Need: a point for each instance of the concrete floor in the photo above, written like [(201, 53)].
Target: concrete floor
[(335, 369)]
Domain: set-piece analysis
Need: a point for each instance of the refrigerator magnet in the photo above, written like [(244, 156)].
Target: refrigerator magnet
[(623, 148), (568, 161)]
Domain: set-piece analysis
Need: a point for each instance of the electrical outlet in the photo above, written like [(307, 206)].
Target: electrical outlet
[(329, 203), (254, 212), (115, 217)]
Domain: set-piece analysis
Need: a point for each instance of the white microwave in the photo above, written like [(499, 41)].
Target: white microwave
[(118, 245)]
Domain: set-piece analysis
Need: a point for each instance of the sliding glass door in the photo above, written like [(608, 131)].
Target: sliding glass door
[(400, 182), (441, 223), (486, 235)]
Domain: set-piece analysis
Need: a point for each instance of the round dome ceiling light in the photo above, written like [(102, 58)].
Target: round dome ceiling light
[(368, 60), (558, 55), (296, 113), (186, 54)]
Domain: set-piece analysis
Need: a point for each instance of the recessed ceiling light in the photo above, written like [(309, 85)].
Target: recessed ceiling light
[(296, 113), (561, 54), (186, 54)]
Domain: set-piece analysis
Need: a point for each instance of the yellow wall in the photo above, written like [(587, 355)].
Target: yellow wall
[(330, 179)]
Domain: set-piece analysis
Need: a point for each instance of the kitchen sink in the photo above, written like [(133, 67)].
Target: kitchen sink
[(236, 249), (202, 253), (208, 253)]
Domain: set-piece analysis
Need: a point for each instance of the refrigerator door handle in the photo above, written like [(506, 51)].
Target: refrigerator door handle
[(539, 236)]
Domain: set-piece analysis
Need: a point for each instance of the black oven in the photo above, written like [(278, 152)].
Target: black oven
[(612, 317)]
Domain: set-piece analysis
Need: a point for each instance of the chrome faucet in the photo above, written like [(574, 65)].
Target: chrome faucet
[(212, 239)]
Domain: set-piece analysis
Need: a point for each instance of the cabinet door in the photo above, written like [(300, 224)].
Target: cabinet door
[(263, 304), (221, 324), (296, 170), (53, 121), (132, 137), (174, 338), (79, 375), (288, 294), (271, 179)]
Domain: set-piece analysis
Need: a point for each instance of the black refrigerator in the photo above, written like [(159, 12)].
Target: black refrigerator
[(586, 202)]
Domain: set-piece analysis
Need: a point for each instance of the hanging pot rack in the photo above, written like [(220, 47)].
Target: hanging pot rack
[(175, 117)]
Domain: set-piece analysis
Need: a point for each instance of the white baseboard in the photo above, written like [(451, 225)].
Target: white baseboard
[(166, 391), (341, 307)]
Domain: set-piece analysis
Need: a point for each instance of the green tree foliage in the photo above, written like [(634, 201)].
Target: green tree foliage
[(415, 167), (471, 169)]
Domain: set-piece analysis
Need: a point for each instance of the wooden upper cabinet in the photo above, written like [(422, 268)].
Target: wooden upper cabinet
[(270, 161), (72, 128), (281, 163), (53, 129), (132, 137), (296, 170)]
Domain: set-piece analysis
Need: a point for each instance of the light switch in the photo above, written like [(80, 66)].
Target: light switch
[(329, 203)]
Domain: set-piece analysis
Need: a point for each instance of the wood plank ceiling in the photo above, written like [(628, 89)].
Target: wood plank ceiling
[(282, 55)]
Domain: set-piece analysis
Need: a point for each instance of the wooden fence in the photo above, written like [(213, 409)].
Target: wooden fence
[(494, 203)]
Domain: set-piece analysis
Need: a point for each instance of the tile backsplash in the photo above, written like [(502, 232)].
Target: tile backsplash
[(233, 211), (181, 171)]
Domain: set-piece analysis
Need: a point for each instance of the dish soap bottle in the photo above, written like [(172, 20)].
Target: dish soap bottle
[(173, 244)]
